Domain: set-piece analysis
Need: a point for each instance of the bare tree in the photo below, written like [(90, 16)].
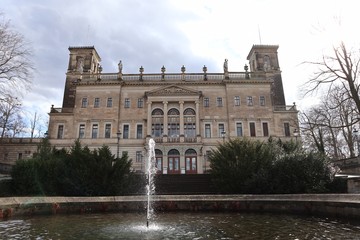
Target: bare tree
[(9, 108), (33, 123), (17, 126), (341, 69), (38, 122), (15, 65), (328, 127)]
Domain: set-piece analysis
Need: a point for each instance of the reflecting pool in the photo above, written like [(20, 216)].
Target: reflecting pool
[(178, 225)]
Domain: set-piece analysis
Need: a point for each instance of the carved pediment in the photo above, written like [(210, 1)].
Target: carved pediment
[(172, 90)]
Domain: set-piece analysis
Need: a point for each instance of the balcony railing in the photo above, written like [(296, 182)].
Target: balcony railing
[(172, 76), (285, 108)]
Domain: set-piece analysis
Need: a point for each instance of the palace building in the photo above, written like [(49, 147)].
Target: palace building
[(187, 114)]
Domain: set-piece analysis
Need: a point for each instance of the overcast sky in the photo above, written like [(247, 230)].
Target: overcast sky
[(173, 33)]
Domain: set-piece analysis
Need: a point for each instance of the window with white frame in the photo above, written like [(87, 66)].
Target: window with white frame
[(207, 130), (109, 102), (206, 102), (127, 103), (82, 131), (237, 100), (249, 100), (239, 129), (96, 102), (107, 130), (94, 130), (262, 100), (219, 102), (139, 131), (84, 102), (221, 130), (126, 131), (60, 133), (140, 103)]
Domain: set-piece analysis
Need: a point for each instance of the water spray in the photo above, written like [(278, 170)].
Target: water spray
[(150, 188)]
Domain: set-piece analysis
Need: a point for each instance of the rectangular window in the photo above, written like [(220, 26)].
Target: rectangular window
[(107, 130), (265, 127), (239, 129), (60, 133), (206, 102), (221, 130), (109, 102), (82, 131), (126, 131), (84, 102), (287, 129), (127, 103), (96, 102), (94, 131), (140, 103), (207, 130), (174, 130), (249, 100), (138, 156), (237, 100), (262, 100), (252, 129), (219, 102), (20, 156), (157, 130), (139, 131)]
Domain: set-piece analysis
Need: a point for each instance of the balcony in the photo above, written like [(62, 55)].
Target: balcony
[(285, 108), (103, 77)]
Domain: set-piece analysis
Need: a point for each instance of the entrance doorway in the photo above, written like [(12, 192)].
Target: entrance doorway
[(174, 162), (190, 161)]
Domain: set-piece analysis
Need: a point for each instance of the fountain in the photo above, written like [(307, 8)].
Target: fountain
[(150, 188), (192, 224)]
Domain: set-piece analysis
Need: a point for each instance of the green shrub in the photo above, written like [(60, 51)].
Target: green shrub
[(79, 172), (246, 166)]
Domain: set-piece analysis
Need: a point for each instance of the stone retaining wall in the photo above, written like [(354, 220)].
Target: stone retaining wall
[(333, 205)]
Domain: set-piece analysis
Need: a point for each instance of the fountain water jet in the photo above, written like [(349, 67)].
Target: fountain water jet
[(150, 188)]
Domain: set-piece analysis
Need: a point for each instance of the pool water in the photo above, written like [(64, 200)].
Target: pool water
[(178, 225)]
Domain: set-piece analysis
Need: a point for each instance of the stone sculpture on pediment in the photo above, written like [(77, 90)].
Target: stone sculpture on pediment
[(172, 91)]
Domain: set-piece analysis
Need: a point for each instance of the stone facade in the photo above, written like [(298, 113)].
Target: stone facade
[(187, 114), (12, 149)]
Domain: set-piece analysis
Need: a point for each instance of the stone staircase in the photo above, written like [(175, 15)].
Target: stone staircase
[(184, 184)]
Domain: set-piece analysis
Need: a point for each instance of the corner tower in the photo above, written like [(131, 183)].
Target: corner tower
[(82, 60), (263, 59)]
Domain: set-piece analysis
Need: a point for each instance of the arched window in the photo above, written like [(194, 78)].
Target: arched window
[(173, 124), (189, 125), (189, 111), (173, 161), (173, 152), (190, 152), (173, 111), (157, 111), (157, 126), (190, 161)]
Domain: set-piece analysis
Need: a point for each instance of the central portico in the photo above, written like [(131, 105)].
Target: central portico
[(173, 122)]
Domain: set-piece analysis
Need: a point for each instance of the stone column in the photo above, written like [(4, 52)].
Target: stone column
[(197, 118), (149, 119), (181, 121), (165, 122)]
